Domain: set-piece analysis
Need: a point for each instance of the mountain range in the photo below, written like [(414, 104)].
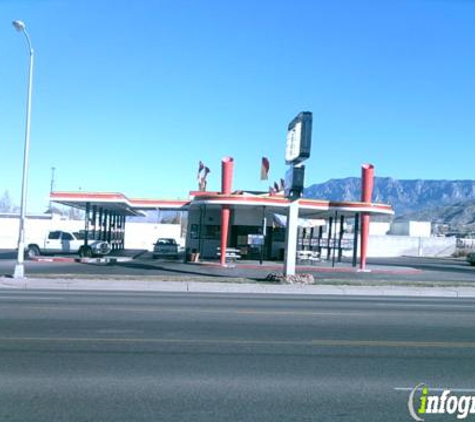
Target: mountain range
[(449, 202), (434, 200)]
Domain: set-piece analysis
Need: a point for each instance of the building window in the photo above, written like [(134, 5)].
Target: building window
[(194, 231), (212, 232), (278, 234)]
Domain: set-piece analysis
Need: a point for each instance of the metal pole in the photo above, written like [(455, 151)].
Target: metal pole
[(330, 227), (99, 234), (200, 238), (123, 231), (109, 227), (86, 223), (291, 238), (94, 221), (334, 239), (319, 243), (104, 226), (19, 271), (264, 232), (340, 239), (115, 231), (355, 239)]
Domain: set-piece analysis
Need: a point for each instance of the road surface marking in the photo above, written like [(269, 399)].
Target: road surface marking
[(314, 343), (184, 310), (29, 298), (439, 390), (425, 305), (97, 307)]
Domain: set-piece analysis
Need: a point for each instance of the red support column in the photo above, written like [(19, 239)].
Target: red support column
[(367, 183), (227, 166)]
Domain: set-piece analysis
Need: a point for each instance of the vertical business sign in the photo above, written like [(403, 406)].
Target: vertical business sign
[(299, 142), (299, 138)]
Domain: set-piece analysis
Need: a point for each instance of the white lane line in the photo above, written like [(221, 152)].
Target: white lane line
[(146, 309), (30, 298), (426, 305), (439, 389), (246, 342), (94, 307)]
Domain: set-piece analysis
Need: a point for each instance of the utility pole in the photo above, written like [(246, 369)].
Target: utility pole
[(51, 189), (53, 169), (19, 271)]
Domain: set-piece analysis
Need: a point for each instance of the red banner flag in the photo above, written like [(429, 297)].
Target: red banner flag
[(265, 168), (282, 185)]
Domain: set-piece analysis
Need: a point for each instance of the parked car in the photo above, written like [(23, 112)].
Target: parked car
[(60, 241), (165, 248), (471, 258)]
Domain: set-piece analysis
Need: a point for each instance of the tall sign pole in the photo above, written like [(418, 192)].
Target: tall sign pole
[(299, 142)]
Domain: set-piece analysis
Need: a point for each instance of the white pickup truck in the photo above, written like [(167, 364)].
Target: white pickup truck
[(61, 241)]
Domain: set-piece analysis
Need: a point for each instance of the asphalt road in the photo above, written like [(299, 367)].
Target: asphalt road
[(74, 356)]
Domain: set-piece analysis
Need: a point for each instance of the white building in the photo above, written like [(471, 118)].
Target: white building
[(411, 228)]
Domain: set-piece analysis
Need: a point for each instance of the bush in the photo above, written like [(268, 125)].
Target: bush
[(291, 279)]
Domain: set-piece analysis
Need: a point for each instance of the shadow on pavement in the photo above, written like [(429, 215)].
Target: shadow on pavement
[(427, 264), (150, 267), (8, 254)]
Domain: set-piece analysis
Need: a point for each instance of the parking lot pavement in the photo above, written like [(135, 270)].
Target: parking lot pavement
[(393, 270), (388, 270)]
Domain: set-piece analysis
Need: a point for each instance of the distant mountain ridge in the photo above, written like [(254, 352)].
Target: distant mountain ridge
[(405, 196), (455, 215)]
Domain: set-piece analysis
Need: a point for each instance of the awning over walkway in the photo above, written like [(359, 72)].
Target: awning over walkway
[(308, 208), (114, 202)]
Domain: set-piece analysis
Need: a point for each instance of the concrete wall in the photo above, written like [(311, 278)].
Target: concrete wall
[(467, 244), (137, 235), (36, 228), (144, 235), (420, 228), (411, 228), (379, 228), (393, 246)]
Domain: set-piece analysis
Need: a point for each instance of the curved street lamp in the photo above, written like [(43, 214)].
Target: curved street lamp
[(19, 267)]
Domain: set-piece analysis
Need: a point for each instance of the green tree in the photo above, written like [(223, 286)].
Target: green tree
[(6, 203)]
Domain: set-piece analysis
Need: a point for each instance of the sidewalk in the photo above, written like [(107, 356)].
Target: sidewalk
[(242, 287)]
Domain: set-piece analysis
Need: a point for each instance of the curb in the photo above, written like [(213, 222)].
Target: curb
[(52, 259), (104, 260), (428, 258)]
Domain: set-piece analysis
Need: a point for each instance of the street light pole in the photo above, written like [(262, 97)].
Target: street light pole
[(19, 267)]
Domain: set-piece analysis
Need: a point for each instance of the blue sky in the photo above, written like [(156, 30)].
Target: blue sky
[(128, 96)]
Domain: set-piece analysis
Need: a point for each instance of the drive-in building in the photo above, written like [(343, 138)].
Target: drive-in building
[(252, 226)]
